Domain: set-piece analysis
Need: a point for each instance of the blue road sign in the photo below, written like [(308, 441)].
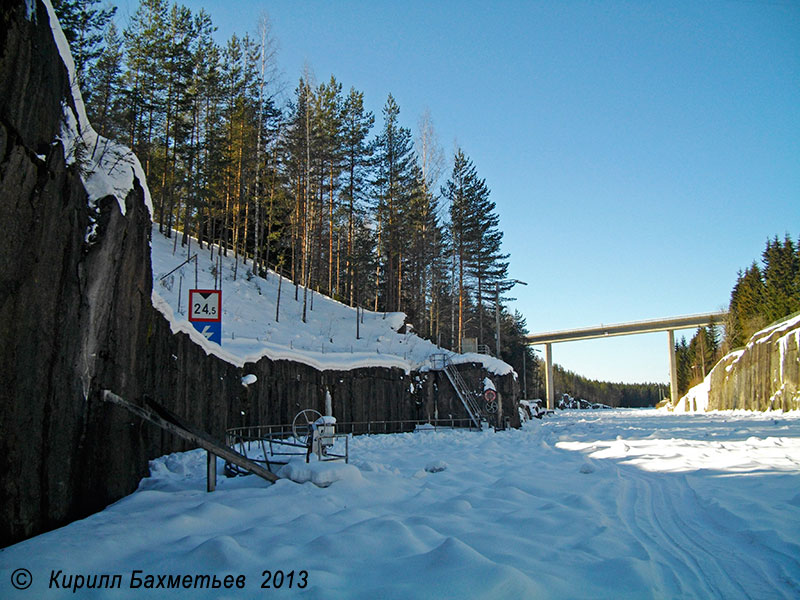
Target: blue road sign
[(211, 330)]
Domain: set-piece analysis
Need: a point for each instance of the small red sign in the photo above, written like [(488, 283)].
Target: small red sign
[(205, 305), (490, 395)]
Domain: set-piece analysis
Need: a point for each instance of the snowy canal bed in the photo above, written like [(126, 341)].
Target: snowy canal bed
[(586, 504)]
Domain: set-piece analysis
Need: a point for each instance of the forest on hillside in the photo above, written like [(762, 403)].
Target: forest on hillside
[(312, 185), (616, 394), (763, 294)]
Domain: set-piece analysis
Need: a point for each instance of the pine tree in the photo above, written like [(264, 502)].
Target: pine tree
[(104, 109), (175, 150), (84, 24), (328, 108), (357, 157), (430, 160), (297, 164), (458, 191), (145, 47), (393, 183)]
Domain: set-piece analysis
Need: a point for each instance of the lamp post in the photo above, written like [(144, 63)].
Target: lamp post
[(497, 310)]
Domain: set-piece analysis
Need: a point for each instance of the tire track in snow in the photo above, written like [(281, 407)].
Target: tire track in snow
[(769, 561), (695, 553), (678, 573)]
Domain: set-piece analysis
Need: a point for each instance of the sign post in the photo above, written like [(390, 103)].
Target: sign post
[(205, 313)]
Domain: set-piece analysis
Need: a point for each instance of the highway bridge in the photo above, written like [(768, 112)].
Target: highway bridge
[(670, 325)]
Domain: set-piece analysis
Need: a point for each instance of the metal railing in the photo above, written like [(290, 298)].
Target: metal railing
[(442, 362), (266, 433), (277, 443)]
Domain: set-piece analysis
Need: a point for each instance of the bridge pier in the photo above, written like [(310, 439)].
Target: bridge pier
[(548, 377), (670, 325), (673, 369)]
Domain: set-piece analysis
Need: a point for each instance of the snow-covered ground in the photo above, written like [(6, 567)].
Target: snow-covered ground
[(326, 340), (585, 504)]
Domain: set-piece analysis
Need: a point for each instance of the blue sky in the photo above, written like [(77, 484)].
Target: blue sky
[(639, 153)]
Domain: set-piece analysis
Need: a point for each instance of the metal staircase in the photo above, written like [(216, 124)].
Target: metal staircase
[(441, 362)]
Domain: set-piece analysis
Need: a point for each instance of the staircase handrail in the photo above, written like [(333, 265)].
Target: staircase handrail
[(462, 390)]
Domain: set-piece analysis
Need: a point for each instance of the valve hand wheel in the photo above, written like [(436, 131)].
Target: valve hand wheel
[(301, 425)]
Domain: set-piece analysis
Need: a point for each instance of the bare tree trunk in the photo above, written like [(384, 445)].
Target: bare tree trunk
[(338, 259), (330, 233), (269, 214), (278, 302), (399, 281), (378, 263)]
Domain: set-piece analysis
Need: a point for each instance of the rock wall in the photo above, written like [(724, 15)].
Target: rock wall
[(77, 318), (283, 388), (763, 376)]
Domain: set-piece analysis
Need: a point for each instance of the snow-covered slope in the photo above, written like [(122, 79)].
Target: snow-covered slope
[(326, 340)]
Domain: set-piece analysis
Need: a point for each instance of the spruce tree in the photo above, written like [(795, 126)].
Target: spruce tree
[(781, 295), (430, 160), (746, 306), (684, 360), (480, 267), (489, 265), (423, 251)]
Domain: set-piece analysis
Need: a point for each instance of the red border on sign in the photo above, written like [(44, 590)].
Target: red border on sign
[(219, 305)]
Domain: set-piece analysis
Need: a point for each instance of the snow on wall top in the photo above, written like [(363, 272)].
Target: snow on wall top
[(762, 336), (107, 168), (327, 340)]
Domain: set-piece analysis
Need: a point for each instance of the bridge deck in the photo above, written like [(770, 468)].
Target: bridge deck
[(587, 333), (635, 327)]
